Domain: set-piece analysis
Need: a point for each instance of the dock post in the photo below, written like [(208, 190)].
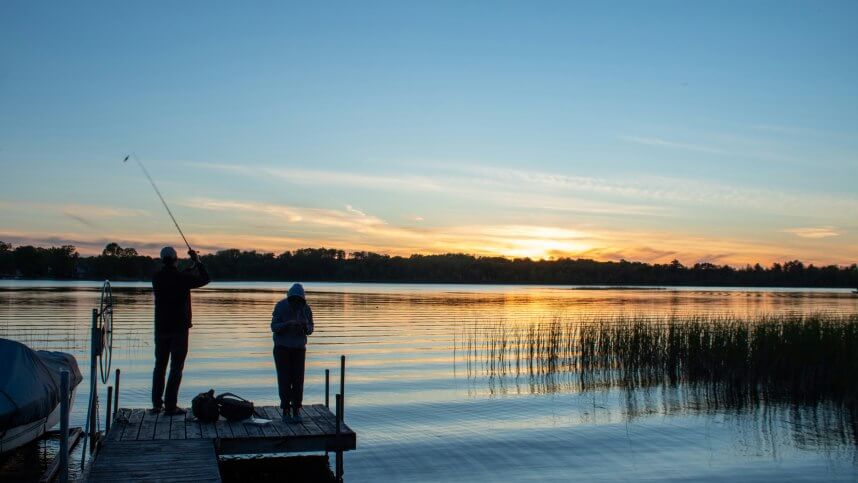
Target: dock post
[(339, 453), (109, 409), (116, 395), (327, 388), (64, 427), (94, 352), (342, 385), (339, 410)]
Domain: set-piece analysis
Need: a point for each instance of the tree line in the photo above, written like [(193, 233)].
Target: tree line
[(323, 264)]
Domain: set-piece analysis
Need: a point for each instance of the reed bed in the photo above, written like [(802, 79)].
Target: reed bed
[(800, 358)]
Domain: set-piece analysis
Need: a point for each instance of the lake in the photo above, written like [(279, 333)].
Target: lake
[(425, 409)]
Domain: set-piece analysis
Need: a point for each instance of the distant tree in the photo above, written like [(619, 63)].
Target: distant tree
[(62, 261), (31, 262), (7, 259)]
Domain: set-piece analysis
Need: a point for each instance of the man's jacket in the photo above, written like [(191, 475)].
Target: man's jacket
[(173, 297), (291, 323)]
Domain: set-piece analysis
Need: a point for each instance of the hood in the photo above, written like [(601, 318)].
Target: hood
[(296, 290)]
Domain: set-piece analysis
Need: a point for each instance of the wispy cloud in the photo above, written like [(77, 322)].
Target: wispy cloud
[(85, 211), (663, 143), (516, 190), (329, 177), (483, 185), (789, 130), (81, 220), (350, 218), (657, 195), (355, 211), (813, 232)]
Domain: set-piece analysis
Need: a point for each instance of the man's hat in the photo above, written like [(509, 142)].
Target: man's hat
[(168, 253)]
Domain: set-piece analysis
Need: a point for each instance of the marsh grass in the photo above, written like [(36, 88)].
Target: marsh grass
[(799, 358)]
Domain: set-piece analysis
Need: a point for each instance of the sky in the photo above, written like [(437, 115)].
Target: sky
[(722, 132)]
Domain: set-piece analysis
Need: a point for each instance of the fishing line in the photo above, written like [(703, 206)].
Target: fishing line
[(158, 192)]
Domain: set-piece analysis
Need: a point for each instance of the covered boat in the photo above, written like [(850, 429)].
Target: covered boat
[(30, 391)]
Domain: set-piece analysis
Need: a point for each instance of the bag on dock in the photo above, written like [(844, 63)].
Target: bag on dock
[(234, 408), (205, 407)]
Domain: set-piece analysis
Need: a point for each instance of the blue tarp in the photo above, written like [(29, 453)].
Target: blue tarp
[(30, 382)]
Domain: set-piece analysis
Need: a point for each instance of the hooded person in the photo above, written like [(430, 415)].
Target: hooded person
[(291, 323), (172, 288)]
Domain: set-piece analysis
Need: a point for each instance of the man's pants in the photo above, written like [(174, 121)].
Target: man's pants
[(172, 348), (290, 375)]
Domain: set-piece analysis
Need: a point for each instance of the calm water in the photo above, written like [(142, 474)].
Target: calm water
[(424, 413)]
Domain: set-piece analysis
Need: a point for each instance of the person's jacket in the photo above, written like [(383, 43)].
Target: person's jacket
[(291, 323), (173, 297)]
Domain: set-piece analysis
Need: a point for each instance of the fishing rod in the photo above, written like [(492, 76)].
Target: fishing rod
[(158, 192)]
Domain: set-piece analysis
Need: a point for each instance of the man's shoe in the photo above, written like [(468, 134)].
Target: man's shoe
[(155, 410), (175, 412), (286, 417), (296, 415)]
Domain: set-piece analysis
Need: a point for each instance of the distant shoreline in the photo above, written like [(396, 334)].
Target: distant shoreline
[(333, 265)]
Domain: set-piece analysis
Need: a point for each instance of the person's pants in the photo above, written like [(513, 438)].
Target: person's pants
[(172, 348), (290, 375)]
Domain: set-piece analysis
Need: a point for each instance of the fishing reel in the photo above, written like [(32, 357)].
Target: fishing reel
[(103, 332)]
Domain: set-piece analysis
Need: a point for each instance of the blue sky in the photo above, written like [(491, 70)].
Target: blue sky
[(721, 132)]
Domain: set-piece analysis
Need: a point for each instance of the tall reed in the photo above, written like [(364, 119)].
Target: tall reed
[(801, 358)]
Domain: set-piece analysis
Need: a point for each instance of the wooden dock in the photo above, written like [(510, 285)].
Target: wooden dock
[(148, 446)]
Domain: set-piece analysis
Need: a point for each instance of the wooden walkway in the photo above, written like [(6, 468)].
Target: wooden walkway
[(186, 460), (166, 445)]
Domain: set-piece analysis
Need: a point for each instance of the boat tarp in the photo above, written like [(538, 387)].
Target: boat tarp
[(30, 382)]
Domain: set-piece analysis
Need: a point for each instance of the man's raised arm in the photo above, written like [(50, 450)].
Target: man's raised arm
[(196, 276)]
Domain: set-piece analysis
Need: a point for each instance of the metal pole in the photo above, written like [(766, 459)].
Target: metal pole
[(342, 384), (93, 383), (339, 411), (339, 454), (64, 426), (116, 395), (109, 408), (327, 387)]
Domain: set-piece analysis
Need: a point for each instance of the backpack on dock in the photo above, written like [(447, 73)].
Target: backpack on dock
[(235, 408), (205, 407)]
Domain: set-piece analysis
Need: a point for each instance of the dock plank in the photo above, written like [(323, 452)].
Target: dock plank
[(253, 429), (320, 418), (272, 414), (237, 428), (147, 428), (132, 427), (277, 421), (162, 427), (222, 428), (207, 430), (177, 426), (162, 461), (308, 422), (298, 428), (266, 430), (192, 426), (118, 425)]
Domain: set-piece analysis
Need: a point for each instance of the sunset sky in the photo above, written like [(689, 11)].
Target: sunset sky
[(724, 132)]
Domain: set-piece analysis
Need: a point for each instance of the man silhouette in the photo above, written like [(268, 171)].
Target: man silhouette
[(172, 321)]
